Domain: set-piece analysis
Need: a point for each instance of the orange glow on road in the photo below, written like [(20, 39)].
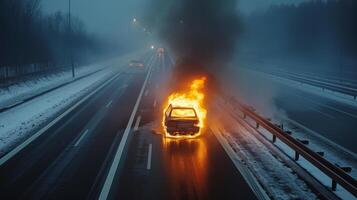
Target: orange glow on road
[(192, 98), (186, 162)]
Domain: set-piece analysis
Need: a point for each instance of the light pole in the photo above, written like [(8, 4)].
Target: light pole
[(70, 37)]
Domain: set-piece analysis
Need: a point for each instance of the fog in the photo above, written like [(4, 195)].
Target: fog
[(111, 19), (205, 36)]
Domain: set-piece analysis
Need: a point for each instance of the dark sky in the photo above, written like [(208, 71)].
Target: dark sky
[(111, 18)]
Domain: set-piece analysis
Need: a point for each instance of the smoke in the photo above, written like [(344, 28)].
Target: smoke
[(201, 33)]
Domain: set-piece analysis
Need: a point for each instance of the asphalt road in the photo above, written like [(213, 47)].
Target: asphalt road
[(162, 168), (74, 158), (325, 117), (331, 119)]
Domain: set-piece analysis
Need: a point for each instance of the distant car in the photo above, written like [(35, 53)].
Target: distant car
[(181, 121), (136, 63), (160, 51)]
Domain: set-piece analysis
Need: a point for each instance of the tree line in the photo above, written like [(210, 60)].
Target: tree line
[(311, 30), (28, 37)]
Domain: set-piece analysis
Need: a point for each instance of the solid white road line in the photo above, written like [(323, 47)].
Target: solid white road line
[(16, 150), (136, 127), (320, 137), (148, 165), (326, 106), (113, 168), (110, 103), (244, 171), (155, 102), (81, 138)]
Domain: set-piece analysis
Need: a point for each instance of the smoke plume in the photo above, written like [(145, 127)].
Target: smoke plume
[(201, 33)]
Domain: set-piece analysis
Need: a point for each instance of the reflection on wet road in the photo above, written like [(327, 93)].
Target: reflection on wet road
[(186, 161)]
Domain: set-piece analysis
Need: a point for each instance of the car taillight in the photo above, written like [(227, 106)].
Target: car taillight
[(196, 123)]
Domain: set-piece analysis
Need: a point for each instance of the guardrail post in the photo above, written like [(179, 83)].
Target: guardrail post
[(274, 138), (306, 142), (296, 156), (257, 125), (347, 169), (321, 153), (333, 185)]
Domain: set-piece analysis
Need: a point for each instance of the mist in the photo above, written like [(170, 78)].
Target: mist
[(201, 34), (312, 37)]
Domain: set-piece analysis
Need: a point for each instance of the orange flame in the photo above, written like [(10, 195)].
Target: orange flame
[(192, 98)]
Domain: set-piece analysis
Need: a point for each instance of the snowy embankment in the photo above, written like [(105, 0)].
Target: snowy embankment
[(332, 151), (277, 179), (16, 93), (21, 121), (269, 168)]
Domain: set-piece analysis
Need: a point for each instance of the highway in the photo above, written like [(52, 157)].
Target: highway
[(333, 120), (111, 147), (327, 117)]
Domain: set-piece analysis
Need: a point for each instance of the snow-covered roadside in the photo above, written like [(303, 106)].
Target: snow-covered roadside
[(21, 121), (22, 90), (332, 153), (273, 174), (17, 123)]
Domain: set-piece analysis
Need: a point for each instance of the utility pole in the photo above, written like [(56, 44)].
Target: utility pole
[(70, 36)]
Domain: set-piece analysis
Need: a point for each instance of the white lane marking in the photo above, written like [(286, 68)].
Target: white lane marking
[(16, 150), (114, 166), (320, 137), (322, 113), (148, 165), (146, 92), (110, 103), (155, 102), (81, 138), (327, 106), (247, 175), (136, 126)]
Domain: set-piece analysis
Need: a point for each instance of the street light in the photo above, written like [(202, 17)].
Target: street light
[(70, 36), (134, 20)]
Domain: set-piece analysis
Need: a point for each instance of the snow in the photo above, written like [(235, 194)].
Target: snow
[(333, 152), (272, 173), (22, 90), (21, 121)]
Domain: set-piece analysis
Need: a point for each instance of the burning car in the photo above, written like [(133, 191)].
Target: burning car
[(184, 113), (181, 121)]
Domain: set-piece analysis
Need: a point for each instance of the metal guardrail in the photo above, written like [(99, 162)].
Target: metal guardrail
[(324, 85), (337, 175), (341, 87)]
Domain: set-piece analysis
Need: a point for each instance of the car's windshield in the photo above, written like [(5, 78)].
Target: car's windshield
[(183, 112)]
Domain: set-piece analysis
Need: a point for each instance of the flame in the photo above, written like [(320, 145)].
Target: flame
[(193, 98)]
